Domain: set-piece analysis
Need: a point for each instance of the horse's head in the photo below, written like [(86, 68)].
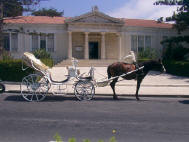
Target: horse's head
[(158, 66), (154, 66)]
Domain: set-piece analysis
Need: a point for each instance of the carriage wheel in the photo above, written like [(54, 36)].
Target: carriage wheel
[(84, 90), (34, 87), (2, 88)]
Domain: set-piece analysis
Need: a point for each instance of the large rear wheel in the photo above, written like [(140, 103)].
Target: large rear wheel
[(34, 87)]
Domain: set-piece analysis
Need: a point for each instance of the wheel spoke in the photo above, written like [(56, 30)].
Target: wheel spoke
[(84, 90), (34, 87)]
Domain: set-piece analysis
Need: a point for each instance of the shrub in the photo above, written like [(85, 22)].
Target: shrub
[(180, 68), (42, 54), (149, 53), (6, 55), (48, 62), (11, 70), (175, 52)]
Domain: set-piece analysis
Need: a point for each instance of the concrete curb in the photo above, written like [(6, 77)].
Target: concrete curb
[(119, 95), (121, 84)]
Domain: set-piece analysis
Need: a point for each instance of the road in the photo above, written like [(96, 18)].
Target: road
[(153, 119)]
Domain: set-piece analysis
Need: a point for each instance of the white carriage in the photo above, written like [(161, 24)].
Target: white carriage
[(35, 87)]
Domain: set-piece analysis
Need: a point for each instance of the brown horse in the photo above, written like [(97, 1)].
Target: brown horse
[(119, 68)]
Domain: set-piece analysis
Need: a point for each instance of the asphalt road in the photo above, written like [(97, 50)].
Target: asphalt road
[(149, 120)]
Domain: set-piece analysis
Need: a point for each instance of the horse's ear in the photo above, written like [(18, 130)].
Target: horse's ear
[(159, 60)]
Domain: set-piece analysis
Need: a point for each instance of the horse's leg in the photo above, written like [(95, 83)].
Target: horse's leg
[(112, 84), (139, 80)]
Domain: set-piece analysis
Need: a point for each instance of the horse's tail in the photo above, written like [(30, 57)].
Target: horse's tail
[(108, 72)]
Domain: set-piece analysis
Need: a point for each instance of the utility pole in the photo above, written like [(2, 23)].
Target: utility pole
[(1, 29)]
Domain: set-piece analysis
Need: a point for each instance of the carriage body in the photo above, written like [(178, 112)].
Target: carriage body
[(35, 87)]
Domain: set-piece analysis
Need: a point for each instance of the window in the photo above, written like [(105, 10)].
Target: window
[(6, 42), (147, 42), (43, 42), (164, 38), (35, 42), (14, 42), (140, 43), (11, 44), (50, 43), (134, 43)]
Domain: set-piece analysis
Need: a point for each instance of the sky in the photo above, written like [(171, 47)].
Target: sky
[(135, 9)]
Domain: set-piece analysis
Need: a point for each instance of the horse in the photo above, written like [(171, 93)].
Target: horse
[(120, 68)]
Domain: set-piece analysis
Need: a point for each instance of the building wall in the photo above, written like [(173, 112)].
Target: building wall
[(25, 38), (78, 44), (61, 44), (111, 45), (78, 40)]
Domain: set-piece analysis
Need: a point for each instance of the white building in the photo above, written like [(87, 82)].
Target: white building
[(93, 35)]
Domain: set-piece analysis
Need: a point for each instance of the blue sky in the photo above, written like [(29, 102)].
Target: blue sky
[(140, 9)]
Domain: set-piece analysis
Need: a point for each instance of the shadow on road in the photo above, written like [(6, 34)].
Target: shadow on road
[(184, 102), (19, 98)]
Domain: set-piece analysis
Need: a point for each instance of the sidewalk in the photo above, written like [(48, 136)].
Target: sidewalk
[(153, 84)]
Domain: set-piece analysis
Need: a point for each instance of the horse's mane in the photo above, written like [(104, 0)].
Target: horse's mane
[(148, 63)]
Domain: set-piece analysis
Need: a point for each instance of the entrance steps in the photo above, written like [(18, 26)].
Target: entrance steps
[(88, 63)]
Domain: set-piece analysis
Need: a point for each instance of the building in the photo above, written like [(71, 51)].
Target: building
[(93, 35)]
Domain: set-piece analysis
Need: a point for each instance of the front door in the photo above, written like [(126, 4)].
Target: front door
[(93, 50)]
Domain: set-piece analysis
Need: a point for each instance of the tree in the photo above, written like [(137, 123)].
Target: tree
[(180, 17), (48, 12), (12, 8)]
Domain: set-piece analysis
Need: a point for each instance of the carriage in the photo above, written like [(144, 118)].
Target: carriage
[(36, 86)]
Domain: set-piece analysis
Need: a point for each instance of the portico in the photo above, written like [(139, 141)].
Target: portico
[(89, 34)]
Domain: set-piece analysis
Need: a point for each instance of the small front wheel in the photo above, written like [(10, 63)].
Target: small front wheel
[(84, 90), (2, 88)]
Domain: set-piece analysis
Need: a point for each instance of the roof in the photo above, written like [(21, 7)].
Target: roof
[(35, 20), (146, 23), (61, 20)]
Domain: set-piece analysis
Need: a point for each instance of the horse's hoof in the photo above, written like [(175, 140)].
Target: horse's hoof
[(137, 99), (115, 98)]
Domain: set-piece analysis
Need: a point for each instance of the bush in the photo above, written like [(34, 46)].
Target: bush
[(11, 70), (48, 62), (42, 54), (6, 55), (175, 52), (149, 53), (180, 68)]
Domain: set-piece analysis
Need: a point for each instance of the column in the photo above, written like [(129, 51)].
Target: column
[(10, 41), (119, 45), (103, 54), (86, 50), (70, 45)]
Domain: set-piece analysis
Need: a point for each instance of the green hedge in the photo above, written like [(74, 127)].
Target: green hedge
[(11, 70), (180, 68), (48, 62)]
